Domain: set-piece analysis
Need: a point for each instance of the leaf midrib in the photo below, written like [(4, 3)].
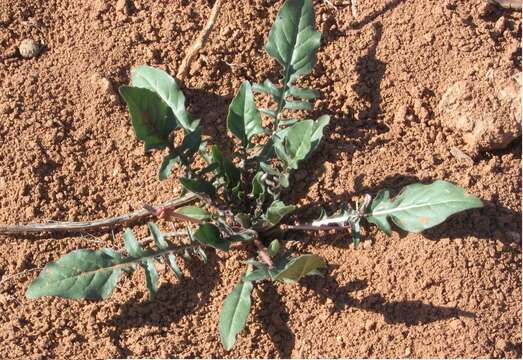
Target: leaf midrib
[(398, 209)]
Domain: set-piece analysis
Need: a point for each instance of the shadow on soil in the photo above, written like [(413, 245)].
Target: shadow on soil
[(172, 303), (493, 221), (274, 316), (411, 312)]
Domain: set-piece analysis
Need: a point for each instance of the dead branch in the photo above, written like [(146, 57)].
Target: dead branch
[(199, 42), (68, 226)]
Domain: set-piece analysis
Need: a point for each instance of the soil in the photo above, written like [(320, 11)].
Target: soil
[(68, 152)]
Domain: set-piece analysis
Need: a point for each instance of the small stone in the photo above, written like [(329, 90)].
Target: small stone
[(29, 48), (408, 351), (370, 325), (428, 38), (367, 244)]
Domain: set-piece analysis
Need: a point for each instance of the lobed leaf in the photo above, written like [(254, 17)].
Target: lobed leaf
[(419, 207), (81, 274), (234, 313)]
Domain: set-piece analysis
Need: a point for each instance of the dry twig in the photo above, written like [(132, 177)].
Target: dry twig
[(90, 225), (199, 42)]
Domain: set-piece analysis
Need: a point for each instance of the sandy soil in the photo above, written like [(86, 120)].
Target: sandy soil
[(67, 152)]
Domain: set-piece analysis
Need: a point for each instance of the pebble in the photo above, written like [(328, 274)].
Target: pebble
[(502, 344), (29, 48), (500, 26)]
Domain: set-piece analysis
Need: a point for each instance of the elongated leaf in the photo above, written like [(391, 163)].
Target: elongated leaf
[(152, 121), (234, 313), (269, 88), (303, 93), (209, 234), (419, 207), (194, 212), (256, 275), (200, 187), (293, 42), (244, 119), (81, 274), (258, 187), (157, 235), (167, 89), (297, 105), (151, 276), (274, 248), (167, 165), (277, 211), (131, 245), (171, 261), (299, 267), (317, 131)]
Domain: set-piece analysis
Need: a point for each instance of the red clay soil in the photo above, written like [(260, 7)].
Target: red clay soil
[(68, 152)]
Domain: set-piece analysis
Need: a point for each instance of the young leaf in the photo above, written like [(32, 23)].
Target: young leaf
[(167, 165), (293, 42), (209, 234), (234, 313), (131, 245), (274, 248), (167, 89), (258, 187), (200, 187), (151, 276), (299, 267), (419, 207), (293, 144), (226, 168), (256, 275), (244, 119), (81, 274), (194, 212), (277, 211), (152, 121)]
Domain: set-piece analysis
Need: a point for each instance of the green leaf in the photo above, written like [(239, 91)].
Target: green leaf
[(131, 245), (81, 274), (167, 165), (297, 105), (234, 313), (419, 207), (209, 234), (317, 131), (303, 93), (293, 42), (277, 211), (274, 248), (244, 119), (226, 168), (269, 88), (157, 235), (258, 187), (294, 143), (171, 261), (152, 121), (256, 275), (299, 267), (191, 142), (151, 276), (167, 89), (194, 212), (198, 186)]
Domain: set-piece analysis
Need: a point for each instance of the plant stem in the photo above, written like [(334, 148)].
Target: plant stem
[(310, 227)]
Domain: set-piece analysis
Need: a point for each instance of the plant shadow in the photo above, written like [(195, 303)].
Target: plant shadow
[(410, 312), (173, 301), (273, 315)]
